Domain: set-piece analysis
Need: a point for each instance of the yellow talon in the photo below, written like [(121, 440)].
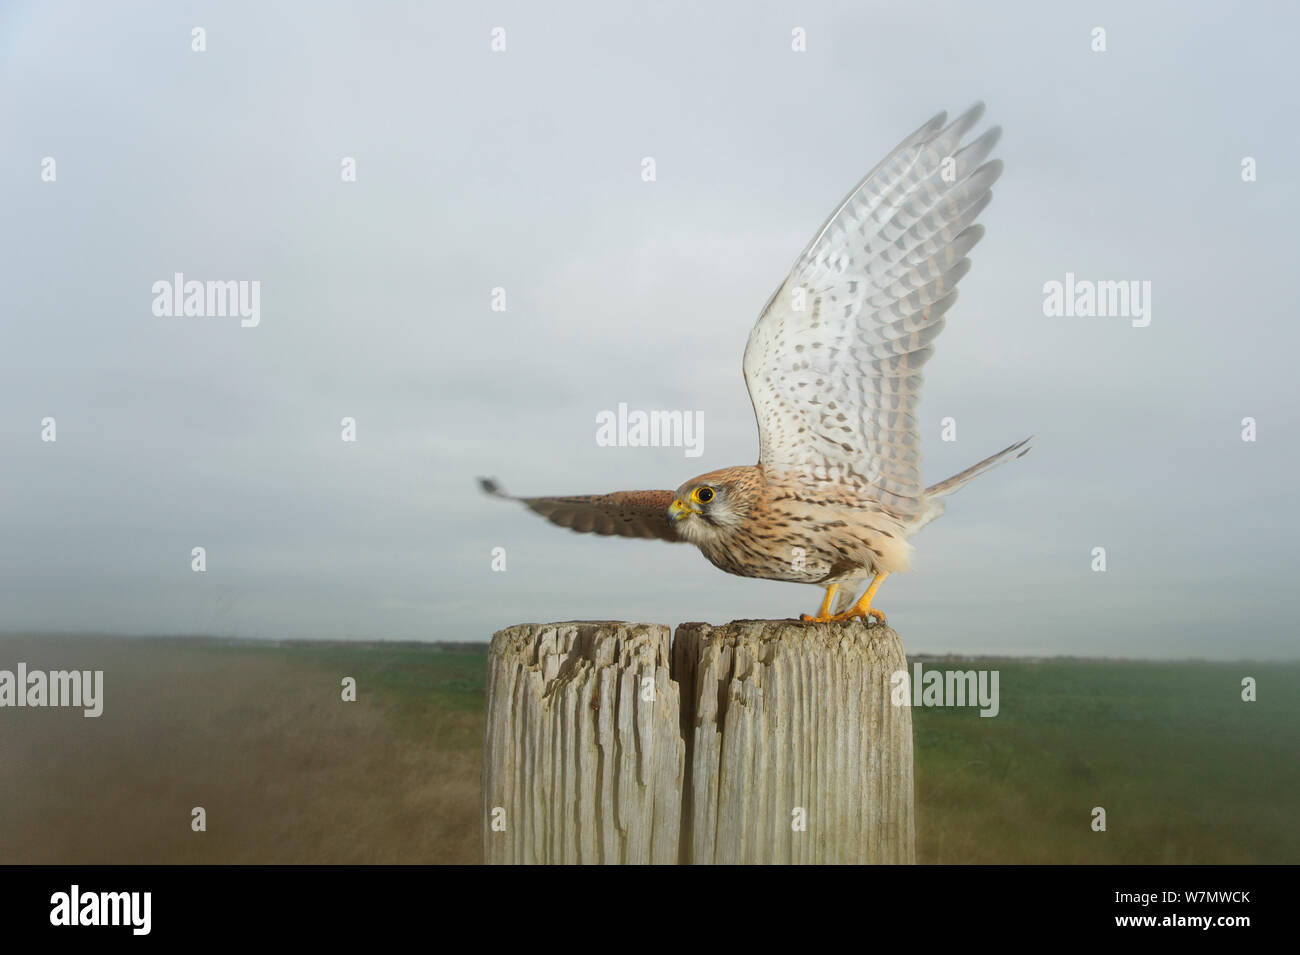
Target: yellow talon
[(855, 614), (859, 611), (824, 614)]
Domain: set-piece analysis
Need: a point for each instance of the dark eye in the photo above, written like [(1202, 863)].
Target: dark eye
[(704, 495)]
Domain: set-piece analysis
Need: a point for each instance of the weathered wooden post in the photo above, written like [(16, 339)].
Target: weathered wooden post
[(583, 757), (764, 741), (797, 754)]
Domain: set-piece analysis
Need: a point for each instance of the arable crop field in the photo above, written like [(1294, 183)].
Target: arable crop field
[(258, 736)]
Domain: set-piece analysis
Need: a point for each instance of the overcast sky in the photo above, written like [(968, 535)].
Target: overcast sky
[(522, 170)]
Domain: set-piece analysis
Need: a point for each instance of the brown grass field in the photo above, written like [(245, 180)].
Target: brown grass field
[(287, 772)]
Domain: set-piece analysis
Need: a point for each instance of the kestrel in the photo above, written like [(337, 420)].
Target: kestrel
[(833, 368)]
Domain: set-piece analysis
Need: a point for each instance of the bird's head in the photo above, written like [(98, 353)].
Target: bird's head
[(713, 503)]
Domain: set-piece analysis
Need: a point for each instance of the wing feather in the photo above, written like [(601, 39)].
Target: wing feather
[(620, 514), (834, 362)]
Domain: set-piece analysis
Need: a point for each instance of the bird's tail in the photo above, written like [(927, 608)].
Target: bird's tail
[(960, 480), (936, 492)]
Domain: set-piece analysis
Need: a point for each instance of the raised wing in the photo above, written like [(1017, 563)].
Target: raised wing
[(833, 364), (623, 513)]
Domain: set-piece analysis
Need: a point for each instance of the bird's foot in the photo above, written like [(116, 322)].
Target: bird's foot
[(862, 608), (823, 614), (856, 614), (819, 618)]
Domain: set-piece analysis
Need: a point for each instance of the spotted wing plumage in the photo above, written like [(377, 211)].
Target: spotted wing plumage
[(621, 514), (833, 364)]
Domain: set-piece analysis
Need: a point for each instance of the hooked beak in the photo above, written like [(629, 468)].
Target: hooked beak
[(677, 511)]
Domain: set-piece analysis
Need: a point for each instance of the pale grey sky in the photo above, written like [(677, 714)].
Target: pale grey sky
[(522, 170)]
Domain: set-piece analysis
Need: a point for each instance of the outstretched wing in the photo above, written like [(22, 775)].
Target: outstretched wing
[(623, 513), (833, 364)]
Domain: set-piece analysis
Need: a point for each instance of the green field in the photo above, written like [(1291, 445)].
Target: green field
[(257, 735), (1186, 771)]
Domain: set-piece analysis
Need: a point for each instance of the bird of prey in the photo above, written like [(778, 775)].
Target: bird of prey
[(833, 368)]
